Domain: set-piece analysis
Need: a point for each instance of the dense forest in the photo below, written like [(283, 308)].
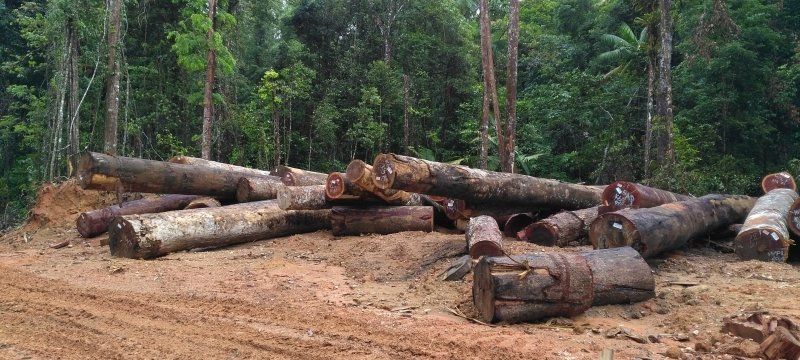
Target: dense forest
[(696, 96)]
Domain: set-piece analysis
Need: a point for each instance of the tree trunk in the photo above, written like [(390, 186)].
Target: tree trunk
[(654, 230), (623, 194), (648, 121), (479, 186), (208, 88), (781, 180), (361, 174), (112, 84), (101, 182), (152, 235), (484, 152), (490, 82), (74, 119), (764, 235), (516, 223), (150, 176), (188, 160), (665, 154), (406, 105), (96, 222), (256, 189), (511, 86), (303, 198), (297, 177), (484, 237), (535, 286), (380, 219), (560, 229)]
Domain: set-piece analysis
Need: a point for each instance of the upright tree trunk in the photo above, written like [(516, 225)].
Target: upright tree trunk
[(484, 155), (74, 120), (511, 86), (664, 107), (406, 90), (208, 90), (112, 85), (648, 121), (489, 81)]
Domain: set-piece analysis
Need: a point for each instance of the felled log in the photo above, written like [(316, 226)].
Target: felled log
[(472, 209), (151, 235), (298, 177), (96, 222), (560, 229), (103, 183), (781, 180), (764, 235), (793, 217), (188, 160), (624, 194), (782, 344), (202, 203), (339, 187), (534, 286), (149, 176), (360, 174), (479, 186), (256, 189), (484, 237), (380, 219), (654, 230), (516, 223), (303, 198)]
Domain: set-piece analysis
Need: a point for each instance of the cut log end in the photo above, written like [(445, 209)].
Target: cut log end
[(383, 172), (288, 179), (485, 248), (761, 244), (620, 195), (612, 230), (516, 223), (539, 233), (335, 185), (793, 217), (357, 169), (83, 226), (781, 180), (123, 241)]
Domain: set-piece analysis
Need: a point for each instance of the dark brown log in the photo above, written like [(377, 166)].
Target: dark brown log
[(727, 232), (202, 203), (781, 345), (149, 176), (472, 209), (303, 198), (96, 222), (298, 177), (188, 160), (257, 189), (623, 194), (484, 237), (479, 186), (360, 174), (152, 235), (793, 218), (781, 180), (654, 230), (764, 235), (380, 219), (535, 286), (560, 229), (517, 222)]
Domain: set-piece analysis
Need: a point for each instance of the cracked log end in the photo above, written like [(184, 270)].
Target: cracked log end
[(243, 190), (793, 217), (358, 169), (761, 244), (334, 185), (621, 195), (612, 230), (781, 180), (539, 233), (123, 241), (383, 171)]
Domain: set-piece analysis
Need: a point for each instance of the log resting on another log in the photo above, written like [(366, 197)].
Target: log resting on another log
[(380, 219), (484, 237), (360, 174), (457, 208), (96, 222), (188, 160), (764, 235), (539, 285), (257, 189), (560, 229), (516, 223), (479, 186), (152, 235), (654, 230), (298, 177), (781, 180), (202, 203), (339, 187), (303, 198), (624, 194)]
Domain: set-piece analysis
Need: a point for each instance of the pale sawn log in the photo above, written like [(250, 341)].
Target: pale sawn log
[(781, 180), (764, 235), (188, 160), (203, 202), (484, 237), (624, 194), (361, 174), (151, 235), (380, 219), (560, 229), (654, 230), (257, 189), (96, 222), (298, 177), (303, 198)]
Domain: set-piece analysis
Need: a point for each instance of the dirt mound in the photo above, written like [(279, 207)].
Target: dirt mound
[(58, 205)]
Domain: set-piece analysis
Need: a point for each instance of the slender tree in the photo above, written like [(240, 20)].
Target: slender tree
[(489, 82), (208, 88), (511, 87), (72, 71), (664, 143), (112, 81)]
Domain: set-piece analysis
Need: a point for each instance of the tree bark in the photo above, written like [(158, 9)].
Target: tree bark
[(490, 82), (112, 84), (665, 145), (152, 235), (535, 286), (101, 182), (764, 235), (150, 176), (96, 222), (511, 87), (203, 202), (188, 160), (781, 180), (380, 219), (256, 189), (648, 121), (303, 198), (361, 174), (654, 230), (484, 237), (406, 107), (479, 186), (623, 194), (208, 88), (74, 119), (560, 229), (793, 218), (516, 223), (297, 177)]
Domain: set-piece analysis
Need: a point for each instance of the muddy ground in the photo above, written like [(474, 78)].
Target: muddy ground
[(315, 296)]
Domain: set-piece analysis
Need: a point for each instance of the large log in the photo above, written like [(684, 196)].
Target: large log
[(654, 230), (560, 229), (516, 223), (484, 237), (103, 183), (257, 189), (202, 203), (781, 180), (188, 160), (149, 176), (360, 174), (152, 235), (380, 219), (479, 186), (339, 187), (764, 235), (622, 194), (96, 222), (303, 198), (298, 177), (534, 286), (793, 218), (461, 208)]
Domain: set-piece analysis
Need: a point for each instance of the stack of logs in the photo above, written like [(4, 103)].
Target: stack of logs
[(625, 222)]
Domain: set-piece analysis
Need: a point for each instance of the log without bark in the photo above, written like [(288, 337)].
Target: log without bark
[(380, 219), (257, 189), (516, 223), (560, 229), (298, 177), (782, 344), (654, 230), (339, 187), (479, 186), (202, 203), (764, 235), (538, 285), (623, 194), (96, 222), (149, 176), (103, 183), (484, 237), (361, 174), (152, 235), (781, 180), (793, 218), (303, 198), (188, 160)]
